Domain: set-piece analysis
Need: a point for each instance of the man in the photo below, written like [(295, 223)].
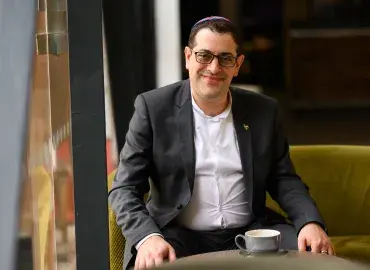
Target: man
[(211, 152)]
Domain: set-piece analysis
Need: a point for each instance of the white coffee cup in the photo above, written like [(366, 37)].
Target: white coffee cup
[(259, 241)]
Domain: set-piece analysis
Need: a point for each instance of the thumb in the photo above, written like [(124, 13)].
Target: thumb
[(171, 254), (302, 244)]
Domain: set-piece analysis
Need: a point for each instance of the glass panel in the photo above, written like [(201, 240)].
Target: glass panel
[(47, 208), (63, 172)]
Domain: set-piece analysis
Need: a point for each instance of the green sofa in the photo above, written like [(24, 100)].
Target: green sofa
[(339, 180)]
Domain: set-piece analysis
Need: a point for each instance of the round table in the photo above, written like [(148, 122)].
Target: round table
[(284, 260)]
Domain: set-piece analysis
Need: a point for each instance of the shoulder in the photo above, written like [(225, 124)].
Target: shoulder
[(165, 95)]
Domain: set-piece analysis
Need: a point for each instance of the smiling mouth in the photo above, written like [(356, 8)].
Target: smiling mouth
[(212, 78)]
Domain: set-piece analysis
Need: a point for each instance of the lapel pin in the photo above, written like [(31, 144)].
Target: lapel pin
[(246, 127)]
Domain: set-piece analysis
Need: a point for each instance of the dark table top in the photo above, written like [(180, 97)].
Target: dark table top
[(285, 260)]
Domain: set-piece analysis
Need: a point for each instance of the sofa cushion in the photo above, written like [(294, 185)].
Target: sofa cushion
[(355, 247), (339, 182)]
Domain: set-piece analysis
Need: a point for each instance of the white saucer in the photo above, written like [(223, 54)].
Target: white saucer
[(267, 253)]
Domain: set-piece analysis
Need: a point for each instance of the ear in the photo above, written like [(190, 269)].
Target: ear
[(239, 62), (187, 54)]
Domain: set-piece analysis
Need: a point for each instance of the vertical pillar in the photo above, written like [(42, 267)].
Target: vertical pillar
[(88, 133), (168, 44)]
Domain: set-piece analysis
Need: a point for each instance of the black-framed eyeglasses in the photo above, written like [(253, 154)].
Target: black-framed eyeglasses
[(224, 60)]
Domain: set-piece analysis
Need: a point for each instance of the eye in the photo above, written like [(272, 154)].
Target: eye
[(227, 58), (204, 56)]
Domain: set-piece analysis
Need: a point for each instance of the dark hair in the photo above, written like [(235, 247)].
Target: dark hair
[(216, 24)]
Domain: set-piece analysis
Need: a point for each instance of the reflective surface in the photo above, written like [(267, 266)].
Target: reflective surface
[(278, 261), (17, 22), (47, 210)]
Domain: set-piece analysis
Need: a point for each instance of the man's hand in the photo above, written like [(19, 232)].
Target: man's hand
[(312, 235), (152, 253)]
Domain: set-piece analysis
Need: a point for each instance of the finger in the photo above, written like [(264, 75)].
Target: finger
[(137, 261), (326, 246), (324, 250), (315, 247), (158, 260), (302, 244), (331, 250), (171, 254), (140, 263), (136, 267), (331, 246), (149, 262)]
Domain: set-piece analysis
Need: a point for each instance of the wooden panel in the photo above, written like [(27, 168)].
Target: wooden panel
[(330, 70)]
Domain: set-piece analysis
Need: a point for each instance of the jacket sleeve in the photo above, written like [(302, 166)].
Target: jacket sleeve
[(286, 187), (131, 181)]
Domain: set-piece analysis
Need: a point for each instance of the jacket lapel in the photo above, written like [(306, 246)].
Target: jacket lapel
[(185, 129), (243, 133)]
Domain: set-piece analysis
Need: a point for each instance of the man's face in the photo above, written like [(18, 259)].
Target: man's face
[(212, 81)]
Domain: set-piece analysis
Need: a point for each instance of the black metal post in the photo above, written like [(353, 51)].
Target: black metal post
[(88, 134)]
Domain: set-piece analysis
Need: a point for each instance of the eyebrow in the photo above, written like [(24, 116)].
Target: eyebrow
[(223, 53)]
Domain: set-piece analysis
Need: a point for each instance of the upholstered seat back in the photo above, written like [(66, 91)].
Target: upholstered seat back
[(116, 239), (339, 181)]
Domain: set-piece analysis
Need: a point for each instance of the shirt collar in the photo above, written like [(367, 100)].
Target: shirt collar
[(221, 116)]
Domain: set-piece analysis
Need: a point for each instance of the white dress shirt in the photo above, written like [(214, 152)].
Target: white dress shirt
[(219, 198)]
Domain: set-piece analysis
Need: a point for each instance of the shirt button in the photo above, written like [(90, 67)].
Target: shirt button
[(179, 206), (223, 226)]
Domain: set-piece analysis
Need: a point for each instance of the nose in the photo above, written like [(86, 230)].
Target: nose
[(214, 66)]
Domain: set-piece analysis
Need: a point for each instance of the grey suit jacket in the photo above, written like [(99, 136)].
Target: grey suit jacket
[(160, 147)]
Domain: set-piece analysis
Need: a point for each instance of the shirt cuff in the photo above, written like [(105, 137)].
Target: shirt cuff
[(145, 238)]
